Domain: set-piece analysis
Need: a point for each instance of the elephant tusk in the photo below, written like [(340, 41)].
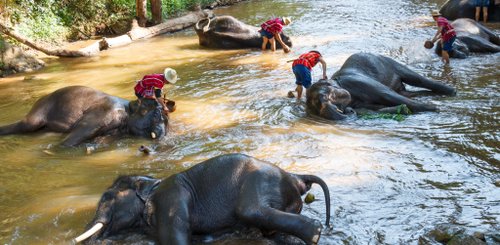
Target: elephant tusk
[(153, 135), (207, 27), (89, 233)]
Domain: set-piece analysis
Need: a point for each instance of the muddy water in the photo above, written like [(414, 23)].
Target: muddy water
[(389, 180)]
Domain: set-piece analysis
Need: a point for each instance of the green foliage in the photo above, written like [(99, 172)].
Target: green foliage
[(53, 20), (402, 112)]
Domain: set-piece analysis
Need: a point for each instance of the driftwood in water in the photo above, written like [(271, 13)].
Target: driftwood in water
[(136, 33), (87, 51)]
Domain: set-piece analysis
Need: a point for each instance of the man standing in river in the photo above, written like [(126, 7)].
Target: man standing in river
[(271, 31), (150, 86), (302, 70), (446, 33)]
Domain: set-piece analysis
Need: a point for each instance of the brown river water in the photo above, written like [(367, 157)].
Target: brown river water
[(390, 181)]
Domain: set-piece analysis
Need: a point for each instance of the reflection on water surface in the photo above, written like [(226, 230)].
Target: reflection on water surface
[(389, 180)]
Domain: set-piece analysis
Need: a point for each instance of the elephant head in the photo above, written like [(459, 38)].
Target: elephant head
[(329, 101), (124, 206), (227, 32), (147, 119)]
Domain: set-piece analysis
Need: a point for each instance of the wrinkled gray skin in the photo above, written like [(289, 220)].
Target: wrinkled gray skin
[(85, 113), (212, 197), (471, 37), (226, 32), (455, 9), (373, 82)]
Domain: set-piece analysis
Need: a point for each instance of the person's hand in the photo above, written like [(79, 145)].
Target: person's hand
[(166, 111), (286, 49)]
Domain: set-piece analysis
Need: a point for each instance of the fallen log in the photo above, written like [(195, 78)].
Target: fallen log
[(135, 33), (87, 51)]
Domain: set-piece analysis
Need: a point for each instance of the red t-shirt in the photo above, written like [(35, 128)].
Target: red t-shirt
[(273, 26), (447, 32), (146, 87), (309, 60)]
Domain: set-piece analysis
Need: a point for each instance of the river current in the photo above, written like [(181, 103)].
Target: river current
[(390, 181)]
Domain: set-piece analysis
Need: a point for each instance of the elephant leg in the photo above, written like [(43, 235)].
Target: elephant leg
[(173, 214), (255, 208), (479, 44), (81, 133), (27, 125), (271, 219), (414, 79), (369, 91)]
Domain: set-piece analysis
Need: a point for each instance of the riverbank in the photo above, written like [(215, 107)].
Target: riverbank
[(20, 58)]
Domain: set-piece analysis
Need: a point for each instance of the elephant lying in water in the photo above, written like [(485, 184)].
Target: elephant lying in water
[(213, 196), (455, 9), (226, 32), (471, 37), (85, 113), (373, 82)]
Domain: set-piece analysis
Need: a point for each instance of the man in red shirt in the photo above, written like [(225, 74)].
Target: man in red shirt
[(446, 33), (271, 31), (150, 87), (302, 69)]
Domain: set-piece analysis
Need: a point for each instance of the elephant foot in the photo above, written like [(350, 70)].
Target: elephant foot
[(290, 94), (315, 232)]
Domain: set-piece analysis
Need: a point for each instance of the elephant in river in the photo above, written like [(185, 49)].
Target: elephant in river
[(85, 113), (370, 81), (214, 196), (455, 9), (471, 37), (226, 32)]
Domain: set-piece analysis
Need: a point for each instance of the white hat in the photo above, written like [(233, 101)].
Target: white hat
[(170, 75), (286, 20), (435, 13)]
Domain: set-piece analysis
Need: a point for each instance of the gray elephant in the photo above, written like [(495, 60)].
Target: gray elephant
[(373, 82), (226, 32), (85, 113), (455, 9), (471, 37), (212, 197)]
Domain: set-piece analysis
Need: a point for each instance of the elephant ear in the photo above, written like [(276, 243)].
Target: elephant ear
[(145, 185)]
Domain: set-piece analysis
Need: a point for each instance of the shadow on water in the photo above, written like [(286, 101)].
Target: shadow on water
[(389, 180)]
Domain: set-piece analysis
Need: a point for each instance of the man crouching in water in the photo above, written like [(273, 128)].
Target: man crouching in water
[(150, 87)]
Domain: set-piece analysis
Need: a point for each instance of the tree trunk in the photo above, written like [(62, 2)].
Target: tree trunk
[(141, 12), (88, 51), (169, 25), (156, 11)]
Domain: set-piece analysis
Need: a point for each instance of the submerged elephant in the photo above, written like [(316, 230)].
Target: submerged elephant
[(455, 9), (214, 196), (226, 32), (471, 37), (373, 82), (85, 113)]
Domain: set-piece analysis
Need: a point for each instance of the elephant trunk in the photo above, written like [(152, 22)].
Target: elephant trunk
[(97, 227), (310, 179)]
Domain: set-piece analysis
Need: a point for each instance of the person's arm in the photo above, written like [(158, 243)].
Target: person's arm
[(160, 100), (323, 64), (277, 36), (438, 34)]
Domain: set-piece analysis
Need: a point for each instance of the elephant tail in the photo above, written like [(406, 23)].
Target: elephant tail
[(310, 179)]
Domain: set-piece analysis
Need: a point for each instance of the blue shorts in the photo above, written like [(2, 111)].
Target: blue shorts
[(264, 33), (481, 3), (302, 75), (448, 46)]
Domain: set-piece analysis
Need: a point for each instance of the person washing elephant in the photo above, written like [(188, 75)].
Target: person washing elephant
[(302, 70), (271, 31), (151, 86), (446, 33)]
